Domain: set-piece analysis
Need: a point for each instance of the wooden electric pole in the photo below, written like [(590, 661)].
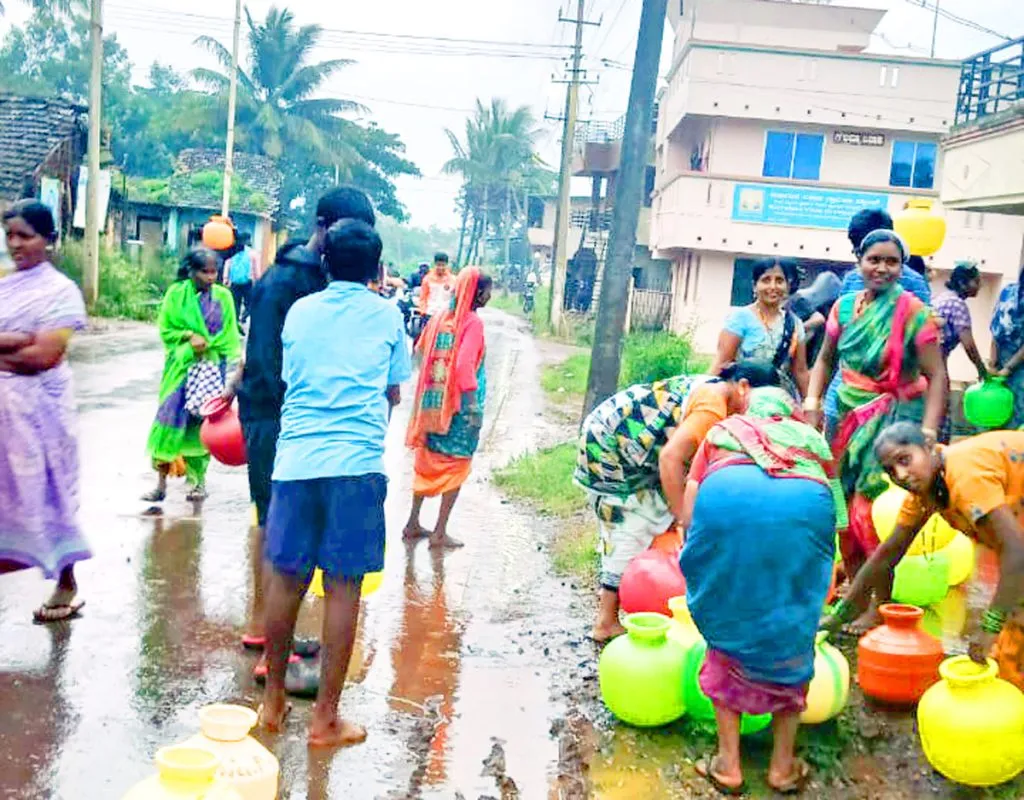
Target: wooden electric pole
[(91, 271), (636, 141), (559, 254), (229, 151)]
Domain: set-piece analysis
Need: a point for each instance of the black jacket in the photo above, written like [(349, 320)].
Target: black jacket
[(296, 272)]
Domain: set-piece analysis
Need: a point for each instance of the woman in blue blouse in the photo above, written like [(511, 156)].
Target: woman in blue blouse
[(765, 330)]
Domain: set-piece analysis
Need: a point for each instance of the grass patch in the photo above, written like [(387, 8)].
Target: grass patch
[(507, 301), (567, 378), (649, 357), (544, 479), (574, 551)]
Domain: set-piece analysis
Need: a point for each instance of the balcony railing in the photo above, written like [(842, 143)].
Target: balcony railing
[(590, 219), (598, 132), (991, 82)]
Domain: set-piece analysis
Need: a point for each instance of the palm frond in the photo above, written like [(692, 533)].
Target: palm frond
[(301, 83)]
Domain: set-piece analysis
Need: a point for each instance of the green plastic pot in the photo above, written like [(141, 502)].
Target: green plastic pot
[(921, 580), (699, 705), (989, 404), (641, 674)]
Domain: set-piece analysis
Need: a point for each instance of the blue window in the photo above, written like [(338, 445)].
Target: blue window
[(913, 164), (793, 155)]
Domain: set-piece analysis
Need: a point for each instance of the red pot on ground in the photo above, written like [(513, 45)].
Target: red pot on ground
[(650, 581), (898, 661), (221, 432)]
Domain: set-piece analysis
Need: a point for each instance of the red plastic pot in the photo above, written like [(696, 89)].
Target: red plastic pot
[(221, 432), (898, 661), (650, 581)]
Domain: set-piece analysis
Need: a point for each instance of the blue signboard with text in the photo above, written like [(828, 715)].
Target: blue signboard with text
[(800, 206)]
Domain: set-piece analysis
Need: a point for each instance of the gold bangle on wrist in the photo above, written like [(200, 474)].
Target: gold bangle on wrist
[(812, 404), (930, 433)]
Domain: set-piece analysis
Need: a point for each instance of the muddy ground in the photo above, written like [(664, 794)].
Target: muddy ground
[(868, 753)]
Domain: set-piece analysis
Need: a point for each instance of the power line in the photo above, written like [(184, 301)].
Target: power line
[(967, 23), (156, 13)]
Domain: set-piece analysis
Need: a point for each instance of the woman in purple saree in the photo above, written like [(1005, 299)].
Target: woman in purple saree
[(39, 310)]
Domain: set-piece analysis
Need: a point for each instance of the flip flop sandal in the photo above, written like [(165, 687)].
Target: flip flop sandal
[(197, 494), (302, 679), (705, 768), (259, 672), (155, 496), (797, 780), (306, 648), (303, 648), (59, 612)]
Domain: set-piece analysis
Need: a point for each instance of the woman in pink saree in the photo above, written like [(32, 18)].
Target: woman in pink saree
[(886, 342)]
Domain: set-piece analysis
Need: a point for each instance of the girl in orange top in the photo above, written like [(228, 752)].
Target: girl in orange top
[(977, 485)]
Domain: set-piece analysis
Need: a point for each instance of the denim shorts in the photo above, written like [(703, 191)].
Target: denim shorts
[(336, 524)]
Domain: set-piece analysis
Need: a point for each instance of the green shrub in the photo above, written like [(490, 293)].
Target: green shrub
[(649, 357), (127, 290)]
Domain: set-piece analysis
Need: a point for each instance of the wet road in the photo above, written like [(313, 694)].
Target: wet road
[(450, 657)]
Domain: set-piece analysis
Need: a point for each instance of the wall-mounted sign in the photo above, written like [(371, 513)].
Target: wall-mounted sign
[(858, 138), (800, 206)]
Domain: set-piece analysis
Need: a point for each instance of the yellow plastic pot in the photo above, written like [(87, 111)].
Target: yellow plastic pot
[(245, 765), (184, 773), (830, 687), (935, 535), (961, 559), (683, 629), (947, 618), (921, 228), (972, 724)]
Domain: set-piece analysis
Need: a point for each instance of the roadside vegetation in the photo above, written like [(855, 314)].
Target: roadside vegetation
[(128, 290)]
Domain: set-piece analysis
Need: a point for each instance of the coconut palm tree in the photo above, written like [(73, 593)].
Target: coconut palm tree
[(278, 111), (494, 161)]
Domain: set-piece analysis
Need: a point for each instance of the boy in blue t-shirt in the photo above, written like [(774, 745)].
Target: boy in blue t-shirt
[(344, 357)]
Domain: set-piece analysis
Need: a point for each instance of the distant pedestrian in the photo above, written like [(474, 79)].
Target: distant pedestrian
[(437, 288), (296, 273), (344, 358), (448, 413), (955, 318), (40, 309), (201, 342), (240, 275)]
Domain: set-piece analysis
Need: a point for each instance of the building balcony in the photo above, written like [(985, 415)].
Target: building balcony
[(597, 146), (760, 217), (984, 153)]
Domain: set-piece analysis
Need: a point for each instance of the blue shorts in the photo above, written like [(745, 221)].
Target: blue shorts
[(336, 524)]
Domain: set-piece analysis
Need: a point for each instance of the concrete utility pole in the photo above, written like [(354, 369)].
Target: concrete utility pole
[(611, 310), (560, 255), (935, 26), (91, 272), (229, 152)]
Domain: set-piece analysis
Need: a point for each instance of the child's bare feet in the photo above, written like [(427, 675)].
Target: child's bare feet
[(440, 540), (272, 714), (335, 733), (605, 632), (414, 531)]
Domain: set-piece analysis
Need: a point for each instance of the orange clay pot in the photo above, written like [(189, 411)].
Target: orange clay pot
[(897, 662)]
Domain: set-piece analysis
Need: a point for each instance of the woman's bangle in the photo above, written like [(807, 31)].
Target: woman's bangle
[(993, 621), (812, 404), (930, 433)]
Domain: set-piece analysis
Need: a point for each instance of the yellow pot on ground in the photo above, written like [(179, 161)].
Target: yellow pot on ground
[(972, 724), (830, 687), (245, 765), (184, 773), (961, 559), (935, 535), (682, 629)]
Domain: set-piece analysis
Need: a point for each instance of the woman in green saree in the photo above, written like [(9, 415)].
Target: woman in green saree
[(197, 324), (887, 344)]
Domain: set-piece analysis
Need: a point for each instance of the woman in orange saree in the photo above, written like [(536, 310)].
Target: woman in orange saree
[(447, 415)]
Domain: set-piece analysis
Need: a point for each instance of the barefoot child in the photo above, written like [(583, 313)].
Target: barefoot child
[(634, 452), (344, 357)]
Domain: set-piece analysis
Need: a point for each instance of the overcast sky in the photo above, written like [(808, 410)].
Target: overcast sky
[(418, 86)]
